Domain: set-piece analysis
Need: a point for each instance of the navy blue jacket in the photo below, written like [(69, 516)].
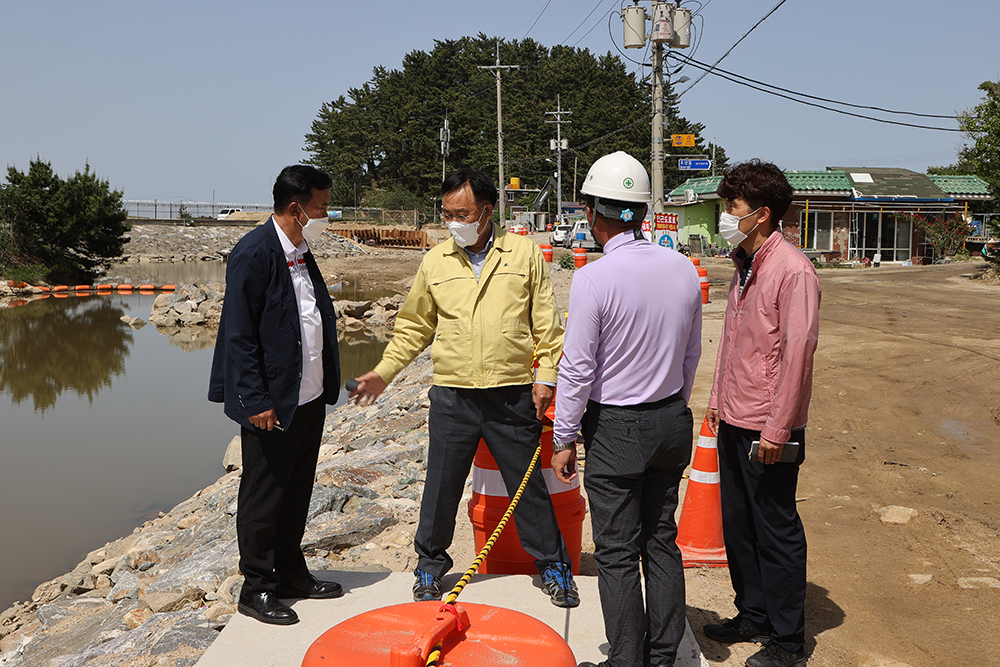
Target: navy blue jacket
[(258, 354)]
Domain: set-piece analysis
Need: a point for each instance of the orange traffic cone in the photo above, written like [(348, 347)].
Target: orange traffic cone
[(699, 532)]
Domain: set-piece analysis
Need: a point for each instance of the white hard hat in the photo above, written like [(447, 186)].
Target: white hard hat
[(617, 176)]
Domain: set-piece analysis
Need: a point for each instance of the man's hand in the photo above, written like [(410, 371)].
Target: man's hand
[(266, 421), (564, 464), (542, 395), (712, 415), (769, 452), (370, 385)]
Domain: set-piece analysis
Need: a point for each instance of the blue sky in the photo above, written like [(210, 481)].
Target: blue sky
[(186, 99)]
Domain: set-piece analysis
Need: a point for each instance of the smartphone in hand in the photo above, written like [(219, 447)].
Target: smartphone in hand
[(789, 452)]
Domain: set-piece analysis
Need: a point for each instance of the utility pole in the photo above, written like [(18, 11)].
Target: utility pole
[(559, 146), (503, 187), (445, 145), (656, 152), (671, 25)]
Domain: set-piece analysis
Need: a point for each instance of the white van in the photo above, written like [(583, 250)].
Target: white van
[(225, 213)]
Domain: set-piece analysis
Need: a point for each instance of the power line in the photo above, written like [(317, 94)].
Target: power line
[(752, 28), (536, 17), (811, 97), (549, 2), (597, 23), (718, 73), (586, 18)]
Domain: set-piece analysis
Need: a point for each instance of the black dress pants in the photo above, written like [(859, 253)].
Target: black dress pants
[(765, 540), (504, 417), (275, 489), (635, 459)]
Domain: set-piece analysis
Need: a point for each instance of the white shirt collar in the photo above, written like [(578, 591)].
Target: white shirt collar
[(286, 245)]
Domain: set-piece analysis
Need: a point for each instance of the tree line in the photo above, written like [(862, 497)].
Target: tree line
[(381, 140)]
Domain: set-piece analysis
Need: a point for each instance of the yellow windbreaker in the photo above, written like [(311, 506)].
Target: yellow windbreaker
[(487, 329)]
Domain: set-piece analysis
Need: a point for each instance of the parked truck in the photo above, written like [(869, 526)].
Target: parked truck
[(580, 237)]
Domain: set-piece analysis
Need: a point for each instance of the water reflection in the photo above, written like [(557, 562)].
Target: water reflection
[(121, 427), (59, 345)]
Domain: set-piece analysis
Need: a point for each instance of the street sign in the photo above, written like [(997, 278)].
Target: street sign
[(693, 165), (682, 140)]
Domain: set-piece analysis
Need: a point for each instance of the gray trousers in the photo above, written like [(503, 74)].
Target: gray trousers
[(636, 456), (505, 418)]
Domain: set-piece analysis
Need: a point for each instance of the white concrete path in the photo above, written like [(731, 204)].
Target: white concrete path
[(249, 643)]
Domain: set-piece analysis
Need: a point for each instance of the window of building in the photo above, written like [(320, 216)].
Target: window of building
[(816, 230)]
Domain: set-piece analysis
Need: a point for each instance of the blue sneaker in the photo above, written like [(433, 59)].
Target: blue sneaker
[(557, 581), (426, 587)]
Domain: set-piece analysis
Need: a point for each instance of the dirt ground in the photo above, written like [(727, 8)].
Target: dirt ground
[(905, 412)]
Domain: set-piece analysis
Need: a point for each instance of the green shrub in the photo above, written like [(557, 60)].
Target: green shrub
[(566, 261)]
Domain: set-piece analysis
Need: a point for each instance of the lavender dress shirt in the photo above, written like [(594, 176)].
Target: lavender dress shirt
[(633, 334)]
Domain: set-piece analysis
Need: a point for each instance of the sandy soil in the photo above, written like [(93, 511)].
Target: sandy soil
[(906, 412)]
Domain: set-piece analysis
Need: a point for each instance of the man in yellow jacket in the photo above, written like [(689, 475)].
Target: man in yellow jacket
[(485, 298)]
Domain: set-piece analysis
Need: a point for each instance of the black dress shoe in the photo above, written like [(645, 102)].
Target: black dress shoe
[(266, 608), (737, 629), (310, 587)]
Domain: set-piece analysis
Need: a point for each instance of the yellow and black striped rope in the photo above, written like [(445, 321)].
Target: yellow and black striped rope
[(467, 577), (435, 655)]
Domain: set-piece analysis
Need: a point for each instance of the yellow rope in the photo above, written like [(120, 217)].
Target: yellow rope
[(467, 577)]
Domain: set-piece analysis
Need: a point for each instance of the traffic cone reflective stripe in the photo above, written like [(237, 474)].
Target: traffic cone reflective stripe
[(699, 531)]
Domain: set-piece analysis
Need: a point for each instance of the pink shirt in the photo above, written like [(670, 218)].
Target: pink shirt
[(763, 374), (633, 334)]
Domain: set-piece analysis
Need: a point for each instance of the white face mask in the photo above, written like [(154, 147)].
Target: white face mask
[(314, 226), (729, 227), (465, 233)]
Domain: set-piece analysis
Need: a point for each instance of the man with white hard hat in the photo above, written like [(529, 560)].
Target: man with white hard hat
[(632, 345)]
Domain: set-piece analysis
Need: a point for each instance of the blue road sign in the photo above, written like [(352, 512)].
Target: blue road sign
[(692, 165)]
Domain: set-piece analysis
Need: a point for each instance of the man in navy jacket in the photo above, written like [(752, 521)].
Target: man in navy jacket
[(275, 368)]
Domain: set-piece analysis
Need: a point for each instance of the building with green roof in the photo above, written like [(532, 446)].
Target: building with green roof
[(841, 213)]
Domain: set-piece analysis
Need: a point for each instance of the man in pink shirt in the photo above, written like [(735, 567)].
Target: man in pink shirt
[(761, 391)]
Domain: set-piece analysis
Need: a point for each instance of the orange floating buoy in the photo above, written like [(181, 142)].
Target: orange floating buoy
[(82, 288), (580, 257), (103, 287), (44, 289), (490, 500), (474, 635), (147, 292), (60, 288), (168, 288), (17, 284), (125, 287), (699, 531), (147, 287)]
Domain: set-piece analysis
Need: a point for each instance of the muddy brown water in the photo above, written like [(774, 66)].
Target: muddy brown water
[(104, 426)]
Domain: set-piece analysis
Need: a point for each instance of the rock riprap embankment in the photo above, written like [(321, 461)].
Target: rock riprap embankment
[(190, 315), (177, 243), (161, 595)]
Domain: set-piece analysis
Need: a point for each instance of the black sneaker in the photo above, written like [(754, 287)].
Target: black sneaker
[(737, 630), (557, 581), (426, 587), (773, 655)]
